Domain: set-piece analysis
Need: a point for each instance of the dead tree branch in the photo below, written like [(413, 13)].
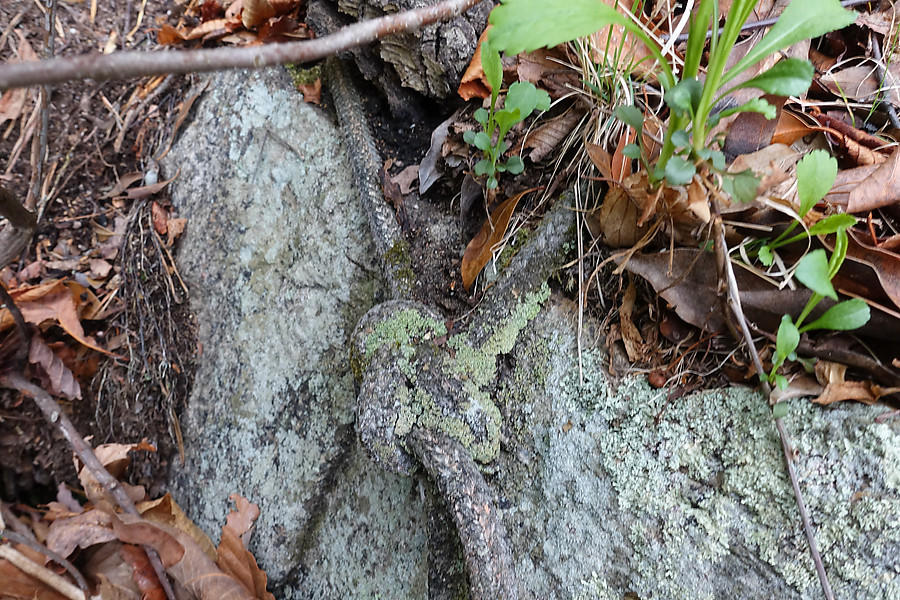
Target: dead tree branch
[(125, 65)]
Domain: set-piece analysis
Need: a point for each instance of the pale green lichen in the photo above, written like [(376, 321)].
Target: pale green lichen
[(403, 331), (479, 364), (705, 473)]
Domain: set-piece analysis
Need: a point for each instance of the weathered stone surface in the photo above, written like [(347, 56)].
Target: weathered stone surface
[(280, 267), (604, 489)]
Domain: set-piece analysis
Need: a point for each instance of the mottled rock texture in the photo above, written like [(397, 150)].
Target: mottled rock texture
[(604, 488)]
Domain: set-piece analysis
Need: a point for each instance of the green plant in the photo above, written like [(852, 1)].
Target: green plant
[(522, 98), (815, 176), (524, 25)]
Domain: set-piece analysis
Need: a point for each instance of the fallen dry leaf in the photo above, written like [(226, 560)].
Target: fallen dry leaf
[(547, 137), (20, 586), (183, 558), (473, 83), (480, 249), (233, 557), (167, 512), (428, 171), (61, 381), (879, 189), (405, 178), (159, 216)]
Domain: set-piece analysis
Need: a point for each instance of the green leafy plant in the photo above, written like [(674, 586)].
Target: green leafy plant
[(816, 174), (522, 99), (525, 25)]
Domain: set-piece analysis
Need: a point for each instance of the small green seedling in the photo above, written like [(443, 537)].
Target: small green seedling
[(524, 25), (522, 99), (815, 175)]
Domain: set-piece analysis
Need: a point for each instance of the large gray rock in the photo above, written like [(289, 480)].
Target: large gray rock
[(605, 488), (280, 267)]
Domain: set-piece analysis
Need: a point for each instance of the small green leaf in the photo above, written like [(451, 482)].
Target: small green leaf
[(491, 182), (780, 410), (543, 101), (812, 271), (816, 173), (685, 96), (482, 141), (833, 224), (632, 151), (787, 340), (493, 69), (788, 77), (765, 256), (515, 165), (742, 186), (525, 25), (506, 119), (482, 167), (469, 137), (631, 116), (716, 157), (522, 95), (681, 139), (679, 171), (843, 316), (482, 115), (780, 380), (757, 105)]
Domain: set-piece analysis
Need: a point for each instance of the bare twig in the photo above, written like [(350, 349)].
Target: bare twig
[(41, 573), (125, 65), (882, 73), (54, 556), (726, 272)]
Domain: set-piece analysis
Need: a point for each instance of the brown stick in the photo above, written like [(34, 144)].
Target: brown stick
[(125, 65)]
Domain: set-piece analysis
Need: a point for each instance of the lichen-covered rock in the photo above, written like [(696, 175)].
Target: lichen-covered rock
[(604, 488), (610, 489), (280, 268)]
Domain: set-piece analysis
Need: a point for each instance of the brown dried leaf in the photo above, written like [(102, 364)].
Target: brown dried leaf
[(167, 512), (61, 380), (142, 572), (473, 83), (790, 128), (124, 182), (406, 177), (175, 228), (139, 193), (856, 83), (256, 12), (428, 171), (480, 249), (20, 586), (169, 35), (233, 557), (881, 188), (635, 347), (183, 558), (621, 164), (545, 138), (618, 220), (601, 159), (159, 216), (80, 531), (12, 104)]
